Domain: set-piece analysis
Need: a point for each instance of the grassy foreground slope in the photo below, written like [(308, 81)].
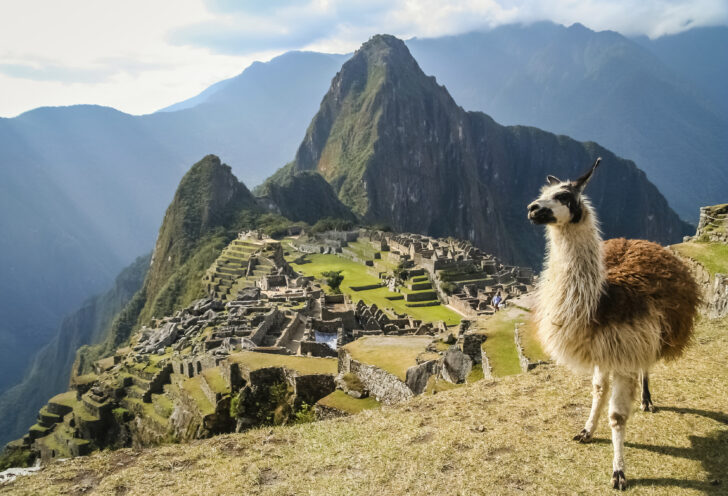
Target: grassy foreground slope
[(509, 436)]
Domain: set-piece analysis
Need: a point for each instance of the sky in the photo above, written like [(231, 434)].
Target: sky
[(140, 55)]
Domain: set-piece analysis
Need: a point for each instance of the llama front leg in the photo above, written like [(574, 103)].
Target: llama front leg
[(646, 405), (620, 406), (600, 390)]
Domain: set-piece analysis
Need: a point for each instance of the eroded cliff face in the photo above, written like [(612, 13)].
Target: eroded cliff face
[(397, 149)]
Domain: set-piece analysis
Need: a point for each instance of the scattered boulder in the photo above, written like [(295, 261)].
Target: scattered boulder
[(351, 385), (456, 366), (162, 338), (418, 375), (201, 306), (249, 294)]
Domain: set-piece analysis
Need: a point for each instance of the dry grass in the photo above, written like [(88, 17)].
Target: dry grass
[(395, 354), (509, 436)]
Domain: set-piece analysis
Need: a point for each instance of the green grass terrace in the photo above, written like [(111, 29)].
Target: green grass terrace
[(303, 365), (394, 354), (713, 256), (342, 401), (501, 346), (356, 275)]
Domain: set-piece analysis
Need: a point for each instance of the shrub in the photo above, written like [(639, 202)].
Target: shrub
[(16, 458), (121, 415), (334, 279), (305, 414), (448, 287)]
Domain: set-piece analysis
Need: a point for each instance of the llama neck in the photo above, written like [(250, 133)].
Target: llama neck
[(574, 277)]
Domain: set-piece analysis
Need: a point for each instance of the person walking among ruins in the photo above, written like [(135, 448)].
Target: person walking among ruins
[(496, 301)]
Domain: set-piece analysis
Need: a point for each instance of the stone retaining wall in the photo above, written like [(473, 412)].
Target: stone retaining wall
[(385, 387), (274, 317), (526, 363), (286, 335), (487, 371), (714, 290)]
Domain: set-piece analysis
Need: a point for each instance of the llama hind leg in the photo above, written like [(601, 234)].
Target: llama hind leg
[(600, 391), (620, 406), (646, 405)]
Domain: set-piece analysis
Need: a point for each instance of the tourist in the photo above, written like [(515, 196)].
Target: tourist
[(497, 299)]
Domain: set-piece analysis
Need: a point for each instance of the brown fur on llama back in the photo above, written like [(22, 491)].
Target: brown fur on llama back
[(643, 275)]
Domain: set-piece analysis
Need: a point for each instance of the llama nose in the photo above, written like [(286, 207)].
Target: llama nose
[(533, 207)]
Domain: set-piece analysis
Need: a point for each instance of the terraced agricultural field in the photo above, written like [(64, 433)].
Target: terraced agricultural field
[(342, 401), (356, 275), (500, 345), (395, 354)]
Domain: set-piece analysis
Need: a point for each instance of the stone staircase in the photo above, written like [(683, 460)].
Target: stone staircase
[(239, 265), (231, 266)]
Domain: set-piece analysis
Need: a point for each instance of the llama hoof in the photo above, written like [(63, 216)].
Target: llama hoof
[(583, 437), (619, 481), (647, 406)]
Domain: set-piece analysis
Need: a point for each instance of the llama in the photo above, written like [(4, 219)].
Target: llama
[(613, 307)]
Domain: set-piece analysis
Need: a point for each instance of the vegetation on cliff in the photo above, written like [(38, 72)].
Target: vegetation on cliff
[(303, 196)]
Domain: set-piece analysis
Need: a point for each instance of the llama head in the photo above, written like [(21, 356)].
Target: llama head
[(561, 202)]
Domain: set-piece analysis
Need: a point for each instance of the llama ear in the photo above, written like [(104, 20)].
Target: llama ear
[(552, 180), (581, 183)]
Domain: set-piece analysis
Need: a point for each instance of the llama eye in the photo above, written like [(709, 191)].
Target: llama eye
[(563, 197)]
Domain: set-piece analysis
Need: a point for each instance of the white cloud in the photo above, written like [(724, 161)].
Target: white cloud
[(139, 56), (107, 53)]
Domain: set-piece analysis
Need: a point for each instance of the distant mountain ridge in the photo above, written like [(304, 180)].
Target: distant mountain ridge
[(597, 86), (397, 149), (691, 54)]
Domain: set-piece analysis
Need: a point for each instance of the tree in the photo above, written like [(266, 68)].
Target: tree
[(333, 279), (401, 272), (448, 287)]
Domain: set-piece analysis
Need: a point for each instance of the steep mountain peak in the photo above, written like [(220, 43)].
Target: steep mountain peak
[(376, 92), (384, 45), (384, 57), (208, 198)]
